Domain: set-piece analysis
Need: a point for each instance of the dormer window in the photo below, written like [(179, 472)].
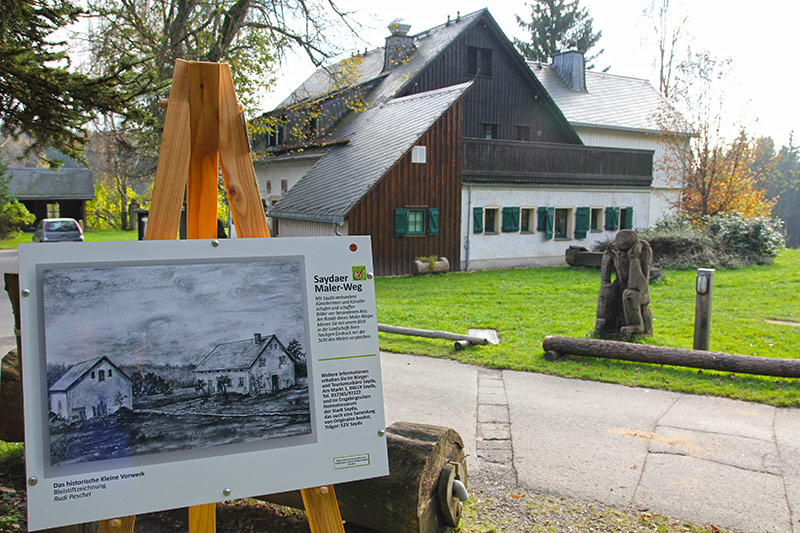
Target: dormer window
[(311, 128), (276, 134), (479, 61)]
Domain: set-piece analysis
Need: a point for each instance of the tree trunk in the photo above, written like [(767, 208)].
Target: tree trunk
[(645, 353), (406, 500)]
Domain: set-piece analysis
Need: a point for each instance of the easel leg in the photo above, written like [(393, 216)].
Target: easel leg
[(203, 518), (201, 205), (322, 510), (117, 525)]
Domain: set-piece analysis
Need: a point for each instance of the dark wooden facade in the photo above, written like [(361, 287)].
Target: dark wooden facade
[(566, 164), (435, 184), (67, 208), (508, 98)]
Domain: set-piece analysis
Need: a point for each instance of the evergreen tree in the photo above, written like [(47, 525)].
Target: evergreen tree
[(784, 187), (556, 26), (40, 95), (295, 349)]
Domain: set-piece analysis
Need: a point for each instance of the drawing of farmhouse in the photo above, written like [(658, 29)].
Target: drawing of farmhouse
[(459, 149), (256, 366), (91, 389)]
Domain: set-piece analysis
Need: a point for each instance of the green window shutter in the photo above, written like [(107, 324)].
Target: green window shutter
[(548, 229), (477, 220), (612, 218), (400, 222), (629, 218), (433, 221), (541, 218), (510, 219), (581, 222)]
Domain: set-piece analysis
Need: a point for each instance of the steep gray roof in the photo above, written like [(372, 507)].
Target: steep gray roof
[(76, 372), (378, 138), (46, 184), (362, 69), (236, 355), (611, 101)]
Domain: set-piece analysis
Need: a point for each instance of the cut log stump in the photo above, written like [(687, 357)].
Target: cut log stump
[(407, 500)]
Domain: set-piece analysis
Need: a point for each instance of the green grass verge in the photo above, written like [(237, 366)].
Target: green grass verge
[(91, 235), (526, 305)]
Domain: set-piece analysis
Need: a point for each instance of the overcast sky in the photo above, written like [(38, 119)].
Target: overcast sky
[(168, 314), (760, 38)]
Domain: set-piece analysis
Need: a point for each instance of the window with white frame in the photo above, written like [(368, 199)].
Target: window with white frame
[(562, 223), (596, 223), (527, 222), (491, 220)]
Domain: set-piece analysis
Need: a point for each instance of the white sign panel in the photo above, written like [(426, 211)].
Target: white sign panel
[(166, 374)]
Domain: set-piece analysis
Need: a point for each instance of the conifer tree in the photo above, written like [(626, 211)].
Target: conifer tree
[(556, 26), (41, 96)]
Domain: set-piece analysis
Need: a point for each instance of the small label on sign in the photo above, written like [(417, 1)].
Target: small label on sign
[(351, 461)]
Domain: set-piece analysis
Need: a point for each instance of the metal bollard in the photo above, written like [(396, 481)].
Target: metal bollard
[(702, 309)]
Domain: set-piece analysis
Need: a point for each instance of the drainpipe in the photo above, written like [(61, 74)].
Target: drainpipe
[(469, 218), (336, 230)]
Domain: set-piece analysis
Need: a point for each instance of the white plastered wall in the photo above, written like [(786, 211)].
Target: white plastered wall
[(303, 228), (480, 251), (666, 188)]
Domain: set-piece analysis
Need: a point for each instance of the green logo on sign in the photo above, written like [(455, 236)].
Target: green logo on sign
[(359, 273)]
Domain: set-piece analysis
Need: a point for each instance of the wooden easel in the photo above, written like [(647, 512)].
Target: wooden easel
[(204, 127)]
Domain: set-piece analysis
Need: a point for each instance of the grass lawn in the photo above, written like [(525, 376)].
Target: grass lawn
[(526, 305), (89, 236)]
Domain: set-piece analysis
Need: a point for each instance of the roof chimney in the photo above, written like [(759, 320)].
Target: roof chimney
[(571, 67), (257, 338), (399, 46)]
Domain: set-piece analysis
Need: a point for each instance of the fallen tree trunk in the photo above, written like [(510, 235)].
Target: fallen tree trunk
[(645, 353), (408, 499), (433, 334)]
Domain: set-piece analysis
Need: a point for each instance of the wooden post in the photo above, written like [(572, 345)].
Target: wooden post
[(702, 308)]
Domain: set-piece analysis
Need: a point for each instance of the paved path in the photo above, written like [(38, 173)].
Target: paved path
[(709, 460)]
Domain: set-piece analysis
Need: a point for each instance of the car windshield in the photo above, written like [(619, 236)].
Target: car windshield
[(61, 225)]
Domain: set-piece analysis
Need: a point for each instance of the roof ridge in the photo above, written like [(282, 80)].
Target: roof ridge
[(532, 63), (448, 22)]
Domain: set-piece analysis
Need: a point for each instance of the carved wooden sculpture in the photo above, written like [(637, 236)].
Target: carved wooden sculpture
[(623, 304)]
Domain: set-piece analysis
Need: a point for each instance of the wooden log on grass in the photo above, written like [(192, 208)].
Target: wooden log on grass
[(421, 462), (432, 333), (665, 355)]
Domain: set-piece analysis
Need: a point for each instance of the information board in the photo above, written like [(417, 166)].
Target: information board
[(165, 374)]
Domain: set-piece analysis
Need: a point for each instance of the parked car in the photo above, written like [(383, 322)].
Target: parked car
[(58, 230)]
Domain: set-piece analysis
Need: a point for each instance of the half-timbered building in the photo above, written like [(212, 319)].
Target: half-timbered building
[(444, 143)]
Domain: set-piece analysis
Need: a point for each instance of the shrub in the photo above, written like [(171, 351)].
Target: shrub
[(722, 241), (13, 214), (754, 239)]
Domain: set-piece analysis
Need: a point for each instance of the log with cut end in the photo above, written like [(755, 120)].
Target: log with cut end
[(432, 334), (407, 500), (646, 353)]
